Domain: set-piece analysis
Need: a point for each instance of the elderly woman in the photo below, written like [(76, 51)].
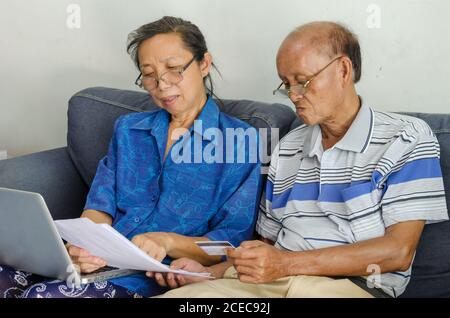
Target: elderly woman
[(151, 186)]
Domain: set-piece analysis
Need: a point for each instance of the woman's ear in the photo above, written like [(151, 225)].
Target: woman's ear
[(205, 64)]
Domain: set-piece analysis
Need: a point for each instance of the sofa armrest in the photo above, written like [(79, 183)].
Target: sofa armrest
[(50, 173)]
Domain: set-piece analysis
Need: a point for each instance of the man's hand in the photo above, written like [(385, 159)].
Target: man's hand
[(84, 260), (155, 244), (257, 262), (173, 280)]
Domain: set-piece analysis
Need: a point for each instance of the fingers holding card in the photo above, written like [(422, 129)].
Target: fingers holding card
[(214, 247)]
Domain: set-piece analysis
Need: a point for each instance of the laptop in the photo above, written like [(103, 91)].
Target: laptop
[(30, 242)]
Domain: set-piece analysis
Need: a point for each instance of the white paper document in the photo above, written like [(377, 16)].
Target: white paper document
[(105, 242)]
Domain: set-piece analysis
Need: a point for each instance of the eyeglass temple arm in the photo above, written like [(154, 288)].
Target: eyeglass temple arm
[(187, 65), (137, 79), (325, 67), (277, 88)]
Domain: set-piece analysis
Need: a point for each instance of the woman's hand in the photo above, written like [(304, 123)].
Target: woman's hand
[(155, 244), (86, 262), (173, 280)]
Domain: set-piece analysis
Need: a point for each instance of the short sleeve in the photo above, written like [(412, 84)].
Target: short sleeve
[(414, 188)]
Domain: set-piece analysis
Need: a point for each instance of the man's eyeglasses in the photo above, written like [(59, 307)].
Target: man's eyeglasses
[(171, 77), (300, 89)]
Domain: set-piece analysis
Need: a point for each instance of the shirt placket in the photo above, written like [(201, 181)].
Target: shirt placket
[(138, 218)]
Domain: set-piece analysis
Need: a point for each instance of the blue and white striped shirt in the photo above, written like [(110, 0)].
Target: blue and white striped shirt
[(385, 170)]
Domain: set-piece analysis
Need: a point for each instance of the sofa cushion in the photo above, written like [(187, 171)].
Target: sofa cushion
[(50, 173), (93, 111), (431, 266)]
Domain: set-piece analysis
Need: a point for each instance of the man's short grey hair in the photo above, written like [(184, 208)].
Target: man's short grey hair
[(336, 39)]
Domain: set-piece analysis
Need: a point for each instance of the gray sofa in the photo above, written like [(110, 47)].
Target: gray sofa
[(63, 175)]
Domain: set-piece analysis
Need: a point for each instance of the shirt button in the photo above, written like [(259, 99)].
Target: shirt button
[(137, 219), (154, 198)]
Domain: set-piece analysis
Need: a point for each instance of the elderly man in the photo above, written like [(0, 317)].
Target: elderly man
[(348, 193)]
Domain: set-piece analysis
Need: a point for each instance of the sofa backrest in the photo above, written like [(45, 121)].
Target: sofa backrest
[(93, 111), (431, 266)]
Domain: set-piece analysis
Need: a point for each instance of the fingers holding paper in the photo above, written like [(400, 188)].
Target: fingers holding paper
[(151, 244), (173, 280), (84, 260)]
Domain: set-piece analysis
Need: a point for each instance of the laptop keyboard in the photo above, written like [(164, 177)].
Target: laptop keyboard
[(103, 269)]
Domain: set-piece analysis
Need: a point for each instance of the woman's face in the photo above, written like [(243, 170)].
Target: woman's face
[(166, 52)]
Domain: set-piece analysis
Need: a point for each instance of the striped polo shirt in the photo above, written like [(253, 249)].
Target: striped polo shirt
[(385, 170)]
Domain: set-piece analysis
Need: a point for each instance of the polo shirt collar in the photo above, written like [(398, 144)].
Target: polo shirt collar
[(313, 142), (356, 139)]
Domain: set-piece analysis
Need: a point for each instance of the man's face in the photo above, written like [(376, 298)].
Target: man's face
[(297, 63)]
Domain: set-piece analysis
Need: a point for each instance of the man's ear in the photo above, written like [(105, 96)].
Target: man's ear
[(346, 70), (205, 64)]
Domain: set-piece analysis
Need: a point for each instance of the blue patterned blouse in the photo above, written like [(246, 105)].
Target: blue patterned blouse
[(144, 193)]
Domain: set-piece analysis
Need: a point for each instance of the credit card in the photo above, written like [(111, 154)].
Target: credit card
[(214, 247)]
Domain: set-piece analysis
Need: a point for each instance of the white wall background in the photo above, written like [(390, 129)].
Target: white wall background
[(43, 61)]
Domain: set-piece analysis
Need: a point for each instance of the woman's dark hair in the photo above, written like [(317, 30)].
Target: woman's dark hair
[(190, 34)]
